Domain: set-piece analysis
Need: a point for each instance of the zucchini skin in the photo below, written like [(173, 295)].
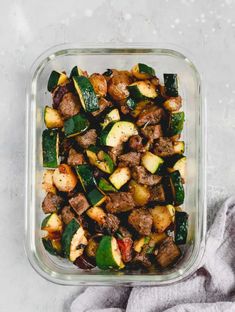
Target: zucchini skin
[(177, 188), (85, 174), (143, 68), (95, 197), (131, 103), (176, 123), (181, 227), (50, 147), (171, 84), (54, 79), (106, 186), (76, 71), (75, 125), (67, 236), (86, 93)]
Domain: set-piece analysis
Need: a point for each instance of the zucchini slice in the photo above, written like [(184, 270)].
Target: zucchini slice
[(105, 186), (181, 227), (75, 125), (73, 240), (96, 197), (108, 255), (180, 165), (152, 162), (55, 79), (141, 90), (86, 177), (131, 103), (142, 71), (50, 148), (117, 132), (53, 246), (171, 84), (175, 123), (86, 93), (100, 159), (97, 214), (52, 223), (52, 118), (120, 177), (76, 71), (177, 188), (112, 116), (139, 107)]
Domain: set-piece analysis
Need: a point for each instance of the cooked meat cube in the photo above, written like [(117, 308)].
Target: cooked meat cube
[(69, 106), (75, 158), (157, 193), (141, 220), (168, 252), (114, 152), (51, 203), (151, 115), (124, 232), (79, 203), (117, 85), (59, 92), (164, 147), (103, 104), (130, 159), (119, 202), (99, 84), (141, 176), (87, 139), (152, 132), (142, 259), (125, 109), (135, 143), (111, 223), (67, 215), (125, 246), (65, 146)]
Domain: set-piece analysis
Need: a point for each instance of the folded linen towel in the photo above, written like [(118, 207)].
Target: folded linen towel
[(210, 289)]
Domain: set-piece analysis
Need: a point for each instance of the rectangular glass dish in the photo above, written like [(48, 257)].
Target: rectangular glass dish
[(98, 59)]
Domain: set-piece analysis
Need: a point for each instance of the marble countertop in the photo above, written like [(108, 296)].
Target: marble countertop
[(206, 28)]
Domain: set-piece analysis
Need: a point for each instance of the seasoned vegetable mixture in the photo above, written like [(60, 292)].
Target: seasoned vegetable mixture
[(114, 169)]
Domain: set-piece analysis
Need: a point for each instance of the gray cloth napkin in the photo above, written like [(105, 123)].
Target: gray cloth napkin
[(211, 288)]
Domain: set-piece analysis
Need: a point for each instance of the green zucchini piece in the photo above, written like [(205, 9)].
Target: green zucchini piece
[(75, 125), (112, 116), (120, 177), (105, 186), (152, 162), (52, 118), (131, 103), (50, 148), (108, 255), (52, 223), (175, 123), (53, 246), (171, 84), (117, 132), (86, 177), (180, 165), (73, 240), (76, 71), (96, 197), (141, 90), (177, 188), (100, 159), (181, 227), (86, 93), (55, 79), (143, 71)]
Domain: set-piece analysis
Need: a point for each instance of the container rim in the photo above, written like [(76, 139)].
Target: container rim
[(118, 280)]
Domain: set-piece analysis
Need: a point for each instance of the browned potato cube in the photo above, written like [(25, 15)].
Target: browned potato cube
[(161, 218)]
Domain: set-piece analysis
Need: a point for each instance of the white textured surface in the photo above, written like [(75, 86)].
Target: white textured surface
[(27, 28)]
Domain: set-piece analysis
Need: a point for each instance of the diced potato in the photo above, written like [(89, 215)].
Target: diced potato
[(64, 178), (47, 182), (139, 243), (161, 218), (140, 193), (157, 238), (97, 214)]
